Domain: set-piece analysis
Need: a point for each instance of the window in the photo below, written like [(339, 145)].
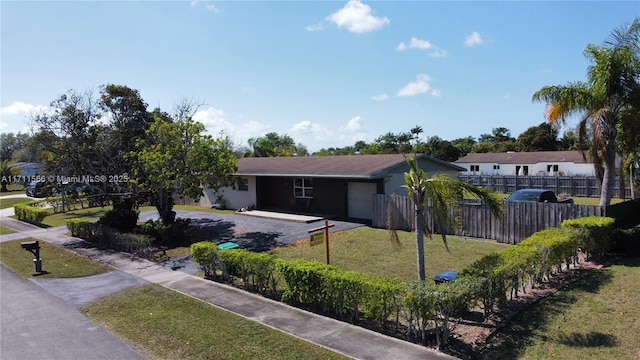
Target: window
[(474, 168), (243, 184), (303, 188), (552, 169), (496, 167), (522, 170)]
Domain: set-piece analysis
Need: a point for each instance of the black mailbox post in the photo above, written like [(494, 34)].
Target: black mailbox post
[(34, 248)]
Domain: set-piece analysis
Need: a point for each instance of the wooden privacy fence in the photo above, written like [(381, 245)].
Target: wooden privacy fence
[(521, 219), (583, 186)]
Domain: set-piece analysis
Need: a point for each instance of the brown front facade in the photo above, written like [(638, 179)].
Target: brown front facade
[(321, 196)]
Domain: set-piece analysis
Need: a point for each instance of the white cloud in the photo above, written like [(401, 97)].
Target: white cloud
[(415, 43), (316, 27), (354, 124), (207, 5), (215, 122), (436, 93), (438, 53), (18, 108), (357, 18), (306, 127), (15, 117), (381, 97), (420, 86), (473, 39)]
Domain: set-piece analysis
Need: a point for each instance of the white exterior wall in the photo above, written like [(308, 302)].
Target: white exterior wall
[(236, 199), (538, 169)]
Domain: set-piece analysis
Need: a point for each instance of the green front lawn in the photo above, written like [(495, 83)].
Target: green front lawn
[(11, 202), (371, 251), (596, 318), (170, 325)]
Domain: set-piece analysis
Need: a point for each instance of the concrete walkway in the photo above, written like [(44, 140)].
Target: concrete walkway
[(350, 340)]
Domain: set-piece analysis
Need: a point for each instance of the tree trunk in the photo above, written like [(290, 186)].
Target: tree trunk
[(420, 243), (608, 177), (164, 205)]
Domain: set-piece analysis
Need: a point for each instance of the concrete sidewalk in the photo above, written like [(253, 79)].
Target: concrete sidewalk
[(344, 338)]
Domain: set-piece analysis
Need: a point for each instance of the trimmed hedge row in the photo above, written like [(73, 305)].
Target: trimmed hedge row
[(34, 211), (107, 237), (593, 233), (31, 212)]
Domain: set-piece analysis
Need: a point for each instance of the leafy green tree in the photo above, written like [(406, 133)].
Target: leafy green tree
[(499, 140), (483, 147), (178, 157), (272, 144), (10, 143), (438, 148), (464, 145), (601, 103), (69, 135), (543, 137), (7, 171)]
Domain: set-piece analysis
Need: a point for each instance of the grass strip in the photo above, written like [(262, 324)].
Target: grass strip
[(5, 230), (56, 261), (11, 202), (170, 325)]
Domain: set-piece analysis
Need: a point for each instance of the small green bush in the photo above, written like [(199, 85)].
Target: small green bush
[(592, 233), (256, 270), (124, 220), (30, 212), (205, 254)]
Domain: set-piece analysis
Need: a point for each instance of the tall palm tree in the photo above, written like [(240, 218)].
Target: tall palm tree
[(440, 192), (613, 83)]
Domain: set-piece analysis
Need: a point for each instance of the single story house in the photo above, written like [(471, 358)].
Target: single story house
[(338, 186), (538, 163)]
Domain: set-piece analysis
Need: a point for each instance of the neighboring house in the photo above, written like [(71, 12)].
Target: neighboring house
[(29, 169), (337, 186), (539, 163)]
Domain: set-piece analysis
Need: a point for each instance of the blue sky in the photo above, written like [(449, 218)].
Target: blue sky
[(326, 73)]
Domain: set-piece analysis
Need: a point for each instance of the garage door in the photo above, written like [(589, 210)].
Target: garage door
[(360, 199)]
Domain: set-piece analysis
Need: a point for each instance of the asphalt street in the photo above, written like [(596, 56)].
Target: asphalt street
[(38, 325)]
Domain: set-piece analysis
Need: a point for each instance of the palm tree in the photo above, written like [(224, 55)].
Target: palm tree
[(440, 192), (7, 171), (613, 83)]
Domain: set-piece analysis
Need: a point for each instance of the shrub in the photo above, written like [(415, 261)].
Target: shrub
[(205, 254), (304, 281), (592, 233), (381, 299), (626, 240), (30, 212), (556, 246), (257, 270), (107, 237), (166, 234), (121, 219)]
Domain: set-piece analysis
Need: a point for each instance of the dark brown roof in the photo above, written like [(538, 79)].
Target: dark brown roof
[(524, 157), (351, 166)]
